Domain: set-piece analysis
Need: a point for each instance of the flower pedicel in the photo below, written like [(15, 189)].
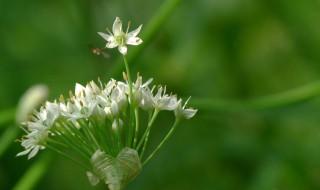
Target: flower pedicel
[(99, 123)]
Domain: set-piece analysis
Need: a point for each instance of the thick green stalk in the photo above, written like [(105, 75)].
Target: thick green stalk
[(163, 141)]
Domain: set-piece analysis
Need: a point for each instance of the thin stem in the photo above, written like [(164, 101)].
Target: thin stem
[(79, 150), (136, 111), (69, 129), (144, 145), (132, 106), (97, 127), (163, 141), (118, 131), (85, 127), (68, 156), (147, 138), (148, 128)]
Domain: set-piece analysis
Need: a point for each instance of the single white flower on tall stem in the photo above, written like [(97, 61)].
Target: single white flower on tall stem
[(121, 39)]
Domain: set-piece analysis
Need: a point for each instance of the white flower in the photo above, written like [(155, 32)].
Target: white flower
[(162, 101), (182, 113), (119, 38), (81, 105), (137, 89), (146, 102), (33, 143)]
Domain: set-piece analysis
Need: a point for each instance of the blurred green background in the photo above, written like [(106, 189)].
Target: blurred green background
[(221, 50)]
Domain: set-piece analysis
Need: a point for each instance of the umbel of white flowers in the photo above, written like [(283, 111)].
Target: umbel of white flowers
[(94, 121), (99, 126)]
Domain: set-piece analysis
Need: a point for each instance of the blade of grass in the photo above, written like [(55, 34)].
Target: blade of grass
[(292, 96), (33, 175), (9, 135)]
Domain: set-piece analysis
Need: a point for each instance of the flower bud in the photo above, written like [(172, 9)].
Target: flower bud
[(115, 109)]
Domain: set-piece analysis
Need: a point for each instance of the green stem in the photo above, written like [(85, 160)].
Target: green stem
[(68, 156), (163, 141), (136, 111), (148, 128), (144, 145), (132, 106), (147, 138), (119, 134)]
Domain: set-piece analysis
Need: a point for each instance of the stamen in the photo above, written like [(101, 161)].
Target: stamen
[(125, 77), (128, 27), (70, 94), (109, 31), (153, 88), (186, 102), (61, 99)]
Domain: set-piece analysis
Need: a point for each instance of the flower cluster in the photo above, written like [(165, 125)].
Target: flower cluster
[(98, 126), (95, 115)]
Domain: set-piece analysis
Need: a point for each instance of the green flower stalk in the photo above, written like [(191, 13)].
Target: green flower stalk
[(98, 125)]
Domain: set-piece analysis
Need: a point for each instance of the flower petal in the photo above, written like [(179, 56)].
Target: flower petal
[(105, 36), (189, 113), (112, 43), (24, 152), (134, 41), (117, 27), (134, 33), (123, 49), (79, 88), (34, 151)]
